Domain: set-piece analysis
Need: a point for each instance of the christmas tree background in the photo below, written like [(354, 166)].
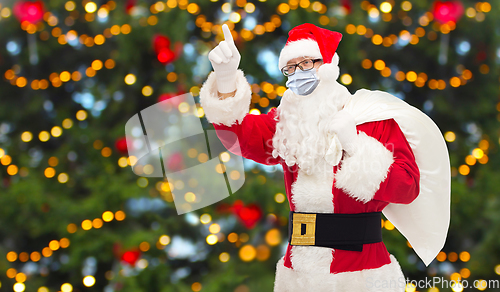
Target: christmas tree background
[(74, 217)]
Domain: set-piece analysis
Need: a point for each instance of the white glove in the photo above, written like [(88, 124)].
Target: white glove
[(344, 126), (225, 59)]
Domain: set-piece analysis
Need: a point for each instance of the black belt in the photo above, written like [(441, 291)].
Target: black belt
[(338, 231)]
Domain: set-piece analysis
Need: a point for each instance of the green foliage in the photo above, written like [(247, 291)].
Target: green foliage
[(35, 209)]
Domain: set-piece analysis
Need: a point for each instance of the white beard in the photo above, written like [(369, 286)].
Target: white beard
[(303, 121)]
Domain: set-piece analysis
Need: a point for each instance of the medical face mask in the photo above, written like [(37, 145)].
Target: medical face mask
[(303, 82)]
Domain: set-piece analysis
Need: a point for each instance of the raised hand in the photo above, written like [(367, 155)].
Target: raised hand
[(225, 60)]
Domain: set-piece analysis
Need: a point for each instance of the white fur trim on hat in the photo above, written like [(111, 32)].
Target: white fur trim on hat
[(227, 111), (301, 48)]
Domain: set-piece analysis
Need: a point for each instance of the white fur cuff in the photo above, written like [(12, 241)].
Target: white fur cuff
[(361, 174), (227, 111)]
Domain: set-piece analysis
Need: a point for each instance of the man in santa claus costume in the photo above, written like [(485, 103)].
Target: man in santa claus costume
[(346, 159)]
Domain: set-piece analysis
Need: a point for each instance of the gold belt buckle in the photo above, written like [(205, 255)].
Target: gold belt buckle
[(309, 237)]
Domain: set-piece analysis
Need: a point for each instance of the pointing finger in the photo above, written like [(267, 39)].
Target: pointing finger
[(227, 34)]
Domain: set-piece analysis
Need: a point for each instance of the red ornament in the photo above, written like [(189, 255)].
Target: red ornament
[(129, 5), (160, 42), (445, 11), (175, 162), (347, 5), (121, 145), (131, 257), (30, 11), (161, 45), (165, 56), (248, 215)]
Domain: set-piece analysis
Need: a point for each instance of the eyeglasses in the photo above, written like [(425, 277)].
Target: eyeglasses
[(305, 65)]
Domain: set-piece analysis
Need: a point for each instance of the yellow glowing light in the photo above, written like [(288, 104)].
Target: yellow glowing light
[(11, 256), (190, 197), (66, 287), (164, 240), (107, 216), (279, 198), (11, 273), (81, 115), (481, 285), (54, 245), (35, 257), (49, 172), (21, 277), (388, 225), (70, 6), (44, 136), (224, 257), (56, 131), (247, 253), (385, 7), (250, 8), (410, 287), (109, 64), (86, 224), (6, 159), (457, 287), (90, 7), (477, 153), (346, 79), (102, 12), (26, 137), (273, 237), (64, 242), (254, 111), (130, 79), (122, 162), (196, 287), (406, 5), (43, 289), (120, 215), (65, 76), (88, 281), (46, 252), (350, 29), (464, 256), (450, 136), (234, 17), (470, 160), (147, 90), (71, 228), (2, 153), (67, 123), (373, 12), (12, 169), (411, 76), (205, 218), (19, 287), (96, 65), (214, 228), (62, 178), (212, 239), (464, 169), (379, 64)]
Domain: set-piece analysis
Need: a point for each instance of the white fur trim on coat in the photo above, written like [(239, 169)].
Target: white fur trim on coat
[(313, 193), (226, 111), (301, 48), (388, 278), (362, 173)]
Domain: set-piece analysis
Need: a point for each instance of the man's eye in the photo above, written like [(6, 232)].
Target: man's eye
[(307, 62), (290, 68)]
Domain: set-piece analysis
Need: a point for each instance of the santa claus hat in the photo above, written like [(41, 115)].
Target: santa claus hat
[(308, 40)]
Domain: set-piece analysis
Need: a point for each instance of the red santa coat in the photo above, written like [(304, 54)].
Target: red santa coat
[(389, 175), (401, 185)]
